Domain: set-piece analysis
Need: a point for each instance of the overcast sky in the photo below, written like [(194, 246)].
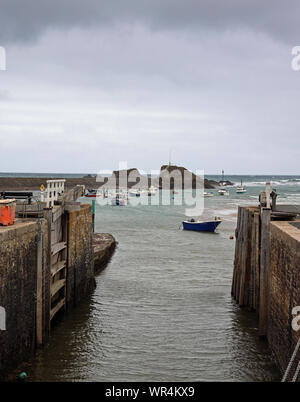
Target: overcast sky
[(94, 82)]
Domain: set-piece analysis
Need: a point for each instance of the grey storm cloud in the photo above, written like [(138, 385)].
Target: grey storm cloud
[(25, 20), (89, 83)]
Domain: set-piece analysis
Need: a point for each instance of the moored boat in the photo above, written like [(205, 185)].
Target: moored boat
[(222, 191), (91, 193), (121, 202), (134, 193), (241, 189), (201, 226)]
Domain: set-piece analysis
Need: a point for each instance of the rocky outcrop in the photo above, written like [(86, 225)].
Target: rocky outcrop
[(131, 177), (225, 183), (167, 170)]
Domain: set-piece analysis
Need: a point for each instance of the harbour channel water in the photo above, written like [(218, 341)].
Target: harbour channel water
[(162, 309)]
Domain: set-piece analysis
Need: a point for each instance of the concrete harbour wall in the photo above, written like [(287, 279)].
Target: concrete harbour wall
[(18, 292), (46, 268), (266, 277)]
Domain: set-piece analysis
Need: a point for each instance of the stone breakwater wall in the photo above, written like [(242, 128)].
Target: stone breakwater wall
[(266, 277), (104, 247), (46, 268), (80, 255)]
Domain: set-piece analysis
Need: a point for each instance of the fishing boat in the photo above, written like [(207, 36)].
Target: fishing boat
[(241, 189), (120, 202), (91, 193), (201, 226), (208, 194), (119, 199), (222, 191), (134, 193)]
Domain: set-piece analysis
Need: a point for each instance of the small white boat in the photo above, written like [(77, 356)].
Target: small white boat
[(121, 202), (222, 191), (208, 194), (134, 193), (119, 199), (151, 191), (240, 189)]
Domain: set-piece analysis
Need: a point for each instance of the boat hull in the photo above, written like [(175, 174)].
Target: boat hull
[(134, 194), (118, 203), (201, 226)]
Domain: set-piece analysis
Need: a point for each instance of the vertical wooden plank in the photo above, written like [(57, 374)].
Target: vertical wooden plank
[(39, 288), (236, 255), (244, 247), (257, 259), (47, 274), (264, 271), (252, 262), (239, 261), (247, 263)]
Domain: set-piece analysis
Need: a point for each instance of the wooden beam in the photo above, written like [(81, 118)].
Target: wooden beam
[(57, 267), (57, 247), (264, 271), (57, 307), (244, 247), (56, 286)]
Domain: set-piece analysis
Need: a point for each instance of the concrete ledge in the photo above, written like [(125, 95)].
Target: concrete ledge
[(20, 228), (286, 228), (104, 245), (72, 206)]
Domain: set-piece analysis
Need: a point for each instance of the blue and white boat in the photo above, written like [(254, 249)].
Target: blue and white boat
[(201, 226)]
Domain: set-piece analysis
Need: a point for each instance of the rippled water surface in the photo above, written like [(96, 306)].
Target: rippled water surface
[(162, 309)]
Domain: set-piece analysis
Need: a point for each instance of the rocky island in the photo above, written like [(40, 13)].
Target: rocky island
[(132, 176)]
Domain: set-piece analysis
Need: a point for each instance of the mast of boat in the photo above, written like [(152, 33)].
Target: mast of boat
[(170, 154), (222, 175)]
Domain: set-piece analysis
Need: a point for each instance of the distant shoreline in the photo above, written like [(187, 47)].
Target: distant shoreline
[(34, 183)]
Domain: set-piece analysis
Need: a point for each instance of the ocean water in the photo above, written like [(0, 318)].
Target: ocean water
[(162, 309)]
